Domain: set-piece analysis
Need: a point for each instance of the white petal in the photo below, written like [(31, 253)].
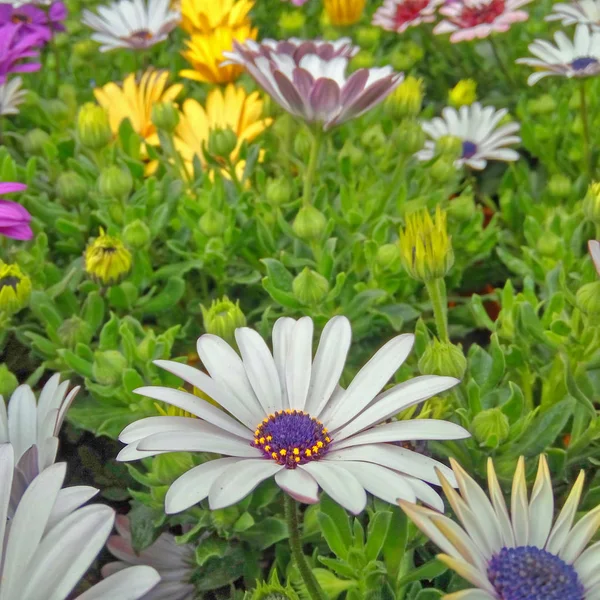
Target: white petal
[(541, 506), (298, 364), (128, 584), (22, 420), (580, 535), (6, 477), (587, 566), (282, 334), (68, 500), (519, 507), (299, 485), (562, 526)]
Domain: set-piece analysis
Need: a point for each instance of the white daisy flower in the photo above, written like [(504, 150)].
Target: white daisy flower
[(519, 555), (11, 95), (584, 12), (174, 562), (49, 542), (288, 418), (134, 24), (477, 128), (594, 248), (579, 58)]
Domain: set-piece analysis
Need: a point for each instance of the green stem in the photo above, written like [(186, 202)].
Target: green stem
[(309, 175), (598, 231), (437, 294), (500, 62), (586, 130), (291, 517)]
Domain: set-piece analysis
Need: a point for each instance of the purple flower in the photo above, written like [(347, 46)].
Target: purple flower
[(57, 13), (14, 218), (31, 19), (309, 78), (15, 45)]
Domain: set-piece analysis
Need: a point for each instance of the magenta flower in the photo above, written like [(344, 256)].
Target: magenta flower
[(16, 45), (469, 19), (14, 218), (57, 13), (31, 20), (309, 78)]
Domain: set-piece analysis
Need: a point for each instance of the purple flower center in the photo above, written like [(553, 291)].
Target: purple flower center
[(530, 573), (142, 35), (583, 62), (291, 438), (469, 149)]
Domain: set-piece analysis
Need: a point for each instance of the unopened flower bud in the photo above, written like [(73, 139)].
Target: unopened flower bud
[(368, 37), (406, 99), (71, 187), (34, 141), (278, 191), (115, 182), (107, 261), (443, 170), (373, 137), (108, 366), (57, 110), (93, 127), (273, 590), (15, 289), (409, 137), (8, 382), (212, 223), (548, 244), (560, 185), (292, 22), (449, 146), (165, 116), (591, 203), (84, 48), (309, 223), (310, 287), (407, 56), (223, 317), (136, 234), (74, 331), (490, 427), (464, 93), (349, 150), (302, 144), (588, 298), (388, 257), (364, 59), (222, 142), (462, 207), (443, 358)]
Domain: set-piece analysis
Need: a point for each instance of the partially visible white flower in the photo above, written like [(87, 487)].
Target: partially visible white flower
[(11, 95), (174, 562), (51, 540), (477, 128), (584, 12), (594, 248), (577, 58), (134, 24)]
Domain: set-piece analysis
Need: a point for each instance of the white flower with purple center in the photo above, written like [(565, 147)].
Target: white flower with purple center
[(479, 129), (288, 418), (584, 12), (577, 58), (521, 555), (309, 79)]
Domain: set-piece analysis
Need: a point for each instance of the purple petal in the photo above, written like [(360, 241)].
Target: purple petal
[(12, 213), (289, 92), (303, 81), (354, 86), (17, 232), (325, 99), (8, 187)]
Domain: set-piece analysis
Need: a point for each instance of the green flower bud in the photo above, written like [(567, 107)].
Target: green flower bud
[(349, 150), (406, 57), (406, 99), (364, 59), (388, 257), (442, 170), (591, 203), (292, 22), (409, 137), (278, 191), (490, 427), (115, 182), (449, 146), (8, 382), (212, 223), (588, 298), (107, 261), (462, 207), (302, 144), (57, 110), (544, 104), (223, 317), (84, 49), (136, 234), (464, 93), (373, 137), (71, 187), (74, 331), (108, 366), (15, 289), (309, 223), (368, 37), (165, 116), (548, 244), (34, 141), (93, 127), (310, 287), (560, 185), (273, 590), (442, 358), (222, 142)]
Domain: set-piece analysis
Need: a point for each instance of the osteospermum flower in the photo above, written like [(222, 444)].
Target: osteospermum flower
[(399, 15), (14, 218), (233, 109), (577, 58), (107, 261), (291, 420), (51, 540), (344, 12), (135, 24), (477, 128), (11, 96), (31, 19), (206, 53), (174, 562), (134, 101), (470, 19), (517, 555), (204, 16), (584, 12), (15, 46), (594, 249), (309, 79)]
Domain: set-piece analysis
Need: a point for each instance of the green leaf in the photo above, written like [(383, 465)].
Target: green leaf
[(109, 336), (339, 516), (267, 532), (144, 522), (219, 572), (210, 548), (377, 533), (79, 365), (93, 310), (394, 545), (168, 297), (429, 571), (332, 535), (279, 277)]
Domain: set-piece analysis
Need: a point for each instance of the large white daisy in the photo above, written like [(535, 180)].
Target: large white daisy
[(478, 130), (132, 24), (11, 95), (517, 555), (577, 58), (288, 418), (49, 542), (585, 12)]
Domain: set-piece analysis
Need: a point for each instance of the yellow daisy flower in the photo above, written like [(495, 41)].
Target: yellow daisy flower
[(344, 12), (231, 109), (134, 101), (203, 16), (205, 54)]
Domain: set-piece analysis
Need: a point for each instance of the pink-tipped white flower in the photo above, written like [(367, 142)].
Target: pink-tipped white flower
[(524, 553), (477, 128), (577, 58), (285, 416), (48, 542), (174, 562), (594, 248), (309, 79), (399, 15), (470, 19), (579, 12)]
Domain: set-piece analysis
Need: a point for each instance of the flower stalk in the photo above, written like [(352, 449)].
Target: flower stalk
[(587, 152), (309, 176), (436, 289)]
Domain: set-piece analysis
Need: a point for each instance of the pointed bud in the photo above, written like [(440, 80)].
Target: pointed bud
[(34, 141), (74, 331), (212, 223), (388, 257), (441, 358), (309, 223), (588, 298), (464, 93), (222, 142), (15, 289), (107, 261), (165, 116), (310, 287), (93, 127), (137, 234), (115, 182), (490, 427), (278, 191), (108, 367), (406, 99), (223, 317), (71, 187), (560, 186)]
